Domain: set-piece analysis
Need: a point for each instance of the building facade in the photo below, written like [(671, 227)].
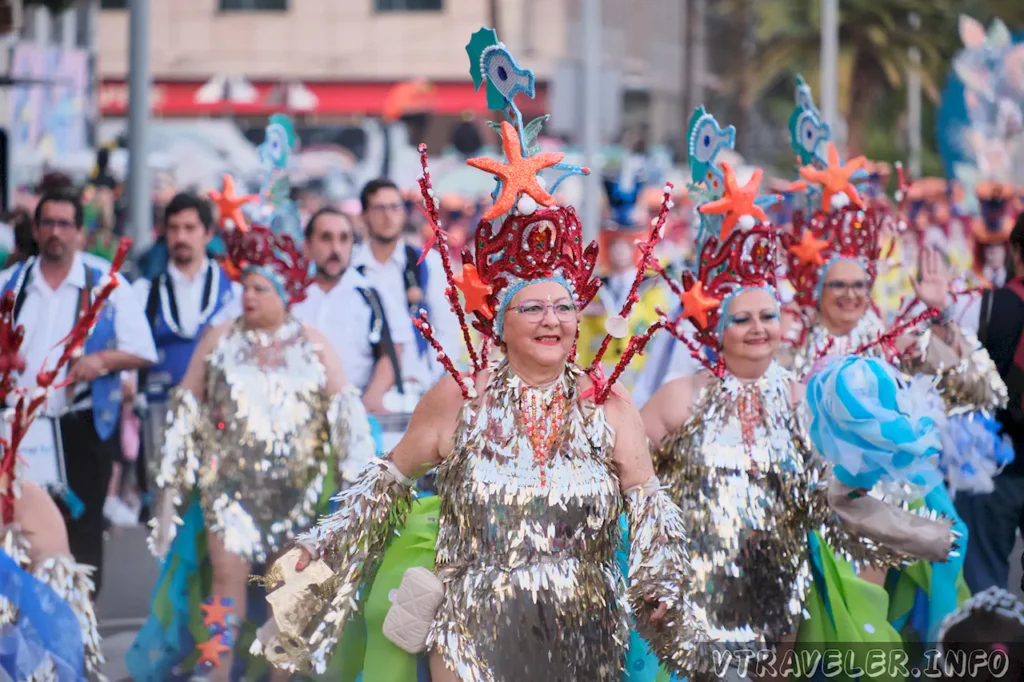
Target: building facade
[(329, 59)]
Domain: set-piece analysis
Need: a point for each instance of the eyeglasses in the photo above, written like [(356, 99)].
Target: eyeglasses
[(52, 223), (535, 311), (387, 208), (839, 286)]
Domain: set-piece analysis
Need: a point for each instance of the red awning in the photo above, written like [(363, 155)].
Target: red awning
[(178, 98)]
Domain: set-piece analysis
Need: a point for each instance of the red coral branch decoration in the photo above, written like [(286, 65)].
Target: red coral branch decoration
[(887, 340), (424, 328)]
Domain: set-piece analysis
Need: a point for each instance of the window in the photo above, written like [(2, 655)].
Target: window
[(408, 5), (113, 4), (253, 5)]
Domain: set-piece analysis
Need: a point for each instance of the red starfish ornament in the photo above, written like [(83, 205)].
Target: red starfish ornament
[(475, 291), (738, 201), (835, 178), (518, 175), (215, 613), (229, 204), (211, 650), (697, 305), (808, 251)]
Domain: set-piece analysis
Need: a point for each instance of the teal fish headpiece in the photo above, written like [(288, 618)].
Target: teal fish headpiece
[(808, 132), (705, 140), (279, 143)]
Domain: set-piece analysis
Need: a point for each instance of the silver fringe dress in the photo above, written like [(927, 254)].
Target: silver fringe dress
[(263, 442)]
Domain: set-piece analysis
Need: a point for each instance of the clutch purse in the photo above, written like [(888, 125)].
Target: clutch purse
[(413, 610)]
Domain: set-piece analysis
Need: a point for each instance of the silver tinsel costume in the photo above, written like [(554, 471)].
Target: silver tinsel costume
[(751, 490), (72, 582), (258, 447), (531, 587)]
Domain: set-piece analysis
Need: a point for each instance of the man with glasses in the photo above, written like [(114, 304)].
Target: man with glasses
[(405, 280), (51, 291), (341, 303)]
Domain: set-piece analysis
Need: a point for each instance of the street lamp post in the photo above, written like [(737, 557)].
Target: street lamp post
[(139, 208), (830, 64), (591, 114)]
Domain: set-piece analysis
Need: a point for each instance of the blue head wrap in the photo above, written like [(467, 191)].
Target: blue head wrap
[(872, 426), (274, 278), (513, 289), (820, 287), (723, 307)]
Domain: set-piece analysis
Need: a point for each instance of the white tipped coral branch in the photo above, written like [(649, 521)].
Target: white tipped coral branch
[(636, 346), (887, 341), (431, 204), (647, 248), (424, 328), (717, 368)]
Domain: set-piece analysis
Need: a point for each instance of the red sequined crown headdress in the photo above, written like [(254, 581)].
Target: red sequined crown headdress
[(524, 236)]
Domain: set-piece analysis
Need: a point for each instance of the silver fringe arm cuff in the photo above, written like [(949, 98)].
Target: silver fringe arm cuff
[(659, 573), (873, 531), (73, 582), (179, 466), (350, 541), (967, 377), (351, 439)]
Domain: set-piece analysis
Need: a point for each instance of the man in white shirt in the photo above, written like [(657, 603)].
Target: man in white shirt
[(351, 314), (51, 292), (392, 268)]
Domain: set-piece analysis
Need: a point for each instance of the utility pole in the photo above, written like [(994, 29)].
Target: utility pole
[(591, 113), (698, 54), (139, 189), (914, 103), (492, 8), (830, 65)]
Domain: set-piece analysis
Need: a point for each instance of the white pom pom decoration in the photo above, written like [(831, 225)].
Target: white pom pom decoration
[(526, 205), (840, 200), (617, 326), (746, 222)]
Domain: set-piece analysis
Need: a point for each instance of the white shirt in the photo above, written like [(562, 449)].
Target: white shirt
[(48, 315), (343, 316), (388, 278), (188, 295)]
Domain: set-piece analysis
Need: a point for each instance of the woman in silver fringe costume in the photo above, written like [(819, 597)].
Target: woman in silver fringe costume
[(735, 455), (262, 429), (536, 461)]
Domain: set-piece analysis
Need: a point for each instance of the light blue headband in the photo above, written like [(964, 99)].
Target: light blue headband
[(819, 288), (723, 317), (511, 291), (275, 279)]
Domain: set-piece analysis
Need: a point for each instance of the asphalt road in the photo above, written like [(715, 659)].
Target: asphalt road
[(130, 572)]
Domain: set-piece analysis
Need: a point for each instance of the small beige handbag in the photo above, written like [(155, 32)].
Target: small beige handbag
[(413, 610)]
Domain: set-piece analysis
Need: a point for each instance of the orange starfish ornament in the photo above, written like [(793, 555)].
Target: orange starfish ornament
[(211, 650), (738, 201), (808, 251), (229, 204), (697, 305), (835, 178), (475, 291), (518, 175), (214, 614)]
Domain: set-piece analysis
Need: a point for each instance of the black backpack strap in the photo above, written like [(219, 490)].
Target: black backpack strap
[(411, 276), (985, 315), (384, 344), (153, 301), (19, 300)]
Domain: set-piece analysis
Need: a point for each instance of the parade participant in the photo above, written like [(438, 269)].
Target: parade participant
[(982, 639), (51, 292), (47, 622), (340, 301), (262, 429), (536, 462), (189, 293), (408, 278), (734, 453), (620, 258)]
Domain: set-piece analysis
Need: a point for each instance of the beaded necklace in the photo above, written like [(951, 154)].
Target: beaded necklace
[(543, 413)]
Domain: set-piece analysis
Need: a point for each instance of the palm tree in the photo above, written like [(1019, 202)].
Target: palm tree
[(875, 38)]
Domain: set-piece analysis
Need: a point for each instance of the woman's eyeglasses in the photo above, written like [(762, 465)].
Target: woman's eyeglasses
[(534, 311), (839, 287)]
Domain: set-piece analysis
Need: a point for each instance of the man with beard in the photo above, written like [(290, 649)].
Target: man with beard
[(342, 304), (405, 280), (51, 291), (190, 291)]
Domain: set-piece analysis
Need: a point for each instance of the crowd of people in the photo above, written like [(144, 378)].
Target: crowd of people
[(783, 423)]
